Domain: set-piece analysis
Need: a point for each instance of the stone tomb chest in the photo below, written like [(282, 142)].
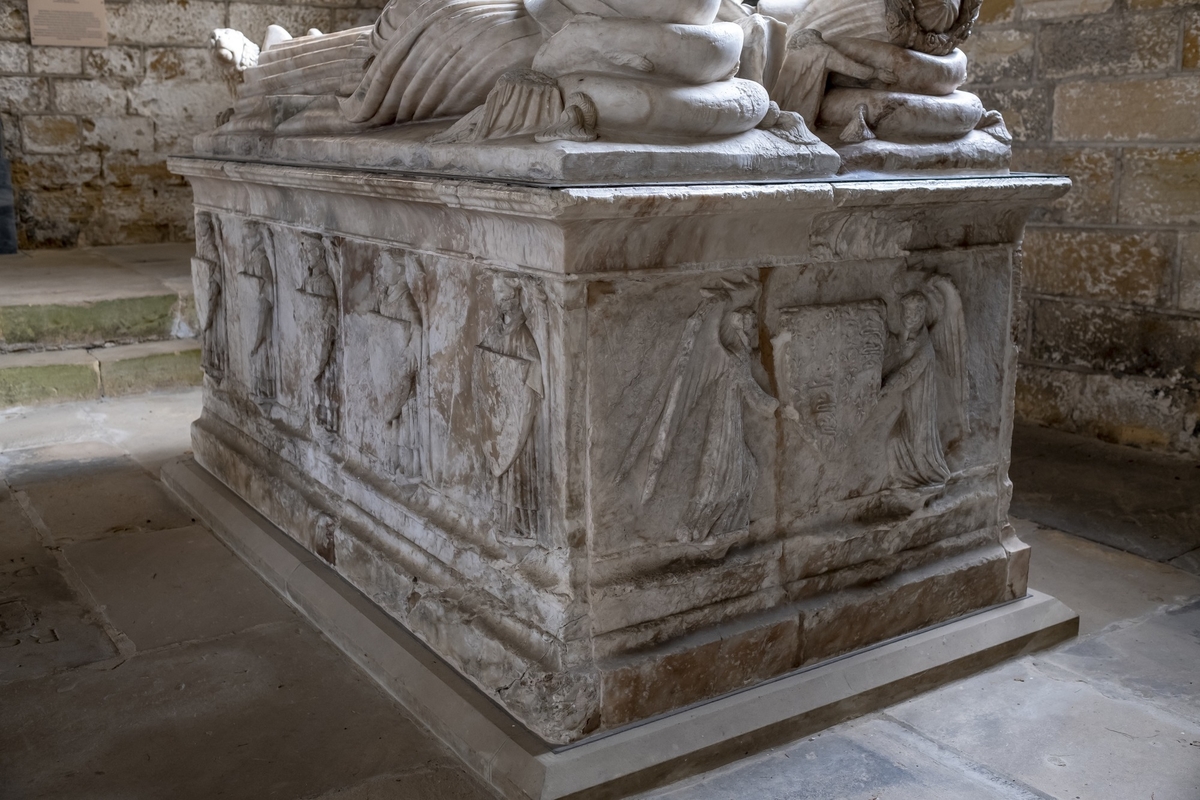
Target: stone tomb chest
[(613, 451)]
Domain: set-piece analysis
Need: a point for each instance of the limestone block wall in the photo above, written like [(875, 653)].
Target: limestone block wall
[(1107, 91), (88, 130)]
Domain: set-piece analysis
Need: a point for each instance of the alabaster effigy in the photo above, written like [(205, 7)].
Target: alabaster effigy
[(548, 327)]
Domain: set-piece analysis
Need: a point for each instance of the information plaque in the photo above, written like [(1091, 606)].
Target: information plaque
[(68, 23)]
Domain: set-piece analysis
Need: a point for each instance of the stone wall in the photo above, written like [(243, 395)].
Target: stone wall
[(1107, 91), (89, 129)]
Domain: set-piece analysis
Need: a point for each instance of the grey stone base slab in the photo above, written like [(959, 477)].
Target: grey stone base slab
[(749, 157), (653, 753)]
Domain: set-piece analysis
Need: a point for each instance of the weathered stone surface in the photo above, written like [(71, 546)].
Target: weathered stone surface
[(1103, 265), (320, 340), (90, 492), (1137, 502), (142, 23), (118, 134), (253, 18), (1049, 9), (101, 321), (1115, 339), (26, 379), (1190, 57), (997, 11), (1133, 109), (50, 133), (1189, 271), (14, 24), (999, 54), (1108, 45), (14, 57), (149, 367), (1160, 186), (1026, 109), (25, 95), (120, 64), (152, 585), (1154, 413), (1092, 198), (56, 61), (90, 97)]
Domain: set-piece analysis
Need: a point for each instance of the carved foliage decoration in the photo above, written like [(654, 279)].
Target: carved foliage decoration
[(209, 282), (510, 391), (709, 387)]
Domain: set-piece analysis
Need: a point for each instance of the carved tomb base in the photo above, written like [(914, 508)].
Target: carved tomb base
[(613, 451)]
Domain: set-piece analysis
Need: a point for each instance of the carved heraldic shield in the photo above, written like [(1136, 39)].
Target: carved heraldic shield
[(833, 368), (507, 406)]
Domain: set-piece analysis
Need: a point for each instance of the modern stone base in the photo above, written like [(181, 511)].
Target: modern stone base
[(657, 751)]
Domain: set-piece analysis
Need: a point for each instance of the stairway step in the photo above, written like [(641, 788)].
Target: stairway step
[(62, 375), (81, 298)]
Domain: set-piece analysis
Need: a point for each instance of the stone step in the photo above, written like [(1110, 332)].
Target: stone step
[(86, 374), (54, 299)]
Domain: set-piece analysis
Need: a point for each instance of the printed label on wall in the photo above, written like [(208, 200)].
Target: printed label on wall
[(68, 23)]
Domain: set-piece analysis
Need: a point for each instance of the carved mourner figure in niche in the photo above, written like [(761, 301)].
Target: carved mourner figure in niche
[(928, 374), (260, 272), (318, 283), (401, 276), (210, 298), (717, 369), (509, 391)]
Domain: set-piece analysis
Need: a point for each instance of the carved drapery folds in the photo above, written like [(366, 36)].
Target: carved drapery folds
[(537, 71), (709, 387), (402, 294), (208, 278), (258, 274), (319, 284), (510, 392)]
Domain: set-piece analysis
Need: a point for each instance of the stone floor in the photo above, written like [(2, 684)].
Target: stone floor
[(140, 659)]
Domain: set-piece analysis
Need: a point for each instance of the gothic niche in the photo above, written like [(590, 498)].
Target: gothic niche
[(402, 292), (716, 376), (878, 389), (510, 390), (209, 280), (258, 270), (316, 254)]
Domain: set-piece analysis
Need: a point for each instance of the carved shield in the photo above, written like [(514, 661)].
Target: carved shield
[(832, 367), (505, 404)]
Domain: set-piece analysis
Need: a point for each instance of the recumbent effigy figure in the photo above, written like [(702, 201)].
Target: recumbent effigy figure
[(856, 71)]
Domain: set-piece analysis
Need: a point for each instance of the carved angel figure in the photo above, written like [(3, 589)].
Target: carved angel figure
[(713, 368), (210, 298), (259, 270), (318, 284), (930, 376), (509, 390), (401, 278)]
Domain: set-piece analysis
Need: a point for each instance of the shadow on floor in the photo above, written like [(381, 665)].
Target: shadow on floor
[(140, 659)]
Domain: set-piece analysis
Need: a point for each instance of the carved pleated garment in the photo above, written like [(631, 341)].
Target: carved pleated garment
[(440, 59)]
